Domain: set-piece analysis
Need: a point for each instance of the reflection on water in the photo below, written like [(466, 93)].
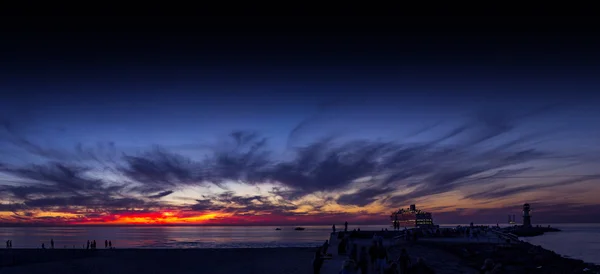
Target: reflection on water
[(170, 236)]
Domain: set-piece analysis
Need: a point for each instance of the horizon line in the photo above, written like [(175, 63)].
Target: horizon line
[(240, 225)]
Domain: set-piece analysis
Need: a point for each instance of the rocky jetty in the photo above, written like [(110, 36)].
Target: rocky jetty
[(519, 257), (522, 231)]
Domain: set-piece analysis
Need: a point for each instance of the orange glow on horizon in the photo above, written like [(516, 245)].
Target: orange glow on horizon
[(153, 218)]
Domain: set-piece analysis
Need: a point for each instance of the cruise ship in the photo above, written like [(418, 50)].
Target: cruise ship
[(412, 217)]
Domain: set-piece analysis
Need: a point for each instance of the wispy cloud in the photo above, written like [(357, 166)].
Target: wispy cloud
[(482, 150)]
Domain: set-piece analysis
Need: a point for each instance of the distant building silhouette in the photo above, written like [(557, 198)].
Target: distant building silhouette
[(526, 215)]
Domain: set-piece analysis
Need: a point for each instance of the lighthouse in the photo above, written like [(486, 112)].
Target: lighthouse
[(526, 215)]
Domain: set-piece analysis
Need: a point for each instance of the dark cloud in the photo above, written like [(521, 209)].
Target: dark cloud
[(243, 157), (55, 176), (469, 153), (505, 191), (231, 203), (64, 186), (86, 201), (11, 207), (363, 197), (14, 135), (161, 194), (325, 166), (159, 169), (205, 204)]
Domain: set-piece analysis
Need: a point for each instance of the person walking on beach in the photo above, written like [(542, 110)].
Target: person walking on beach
[(43, 246), (52, 243), (110, 244), (105, 244), (346, 226), (333, 228)]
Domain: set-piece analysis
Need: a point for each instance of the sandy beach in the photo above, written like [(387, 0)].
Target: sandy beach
[(147, 261)]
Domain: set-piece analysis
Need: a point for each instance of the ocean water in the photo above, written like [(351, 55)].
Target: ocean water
[(170, 236), (580, 241)]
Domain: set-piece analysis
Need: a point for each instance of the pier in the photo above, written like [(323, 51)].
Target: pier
[(453, 251)]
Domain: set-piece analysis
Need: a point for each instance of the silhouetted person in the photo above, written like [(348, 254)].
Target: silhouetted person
[(10, 244), (110, 244), (404, 261), (381, 257), (373, 255), (88, 244), (318, 261), (43, 246), (105, 244), (52, 243), (342, 246), (333, 228), (363, 260), (346, 227), (325, 247)]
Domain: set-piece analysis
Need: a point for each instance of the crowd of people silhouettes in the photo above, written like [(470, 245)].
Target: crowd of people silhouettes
[(373, 259), (90, 244)]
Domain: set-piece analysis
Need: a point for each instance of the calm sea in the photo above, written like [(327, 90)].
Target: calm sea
[(170, 236), (581, 241)]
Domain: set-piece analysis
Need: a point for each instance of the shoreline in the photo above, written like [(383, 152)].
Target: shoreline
[(451, 253)]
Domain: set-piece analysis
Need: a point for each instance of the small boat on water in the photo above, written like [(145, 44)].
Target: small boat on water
[(299, 228), (278, 228)]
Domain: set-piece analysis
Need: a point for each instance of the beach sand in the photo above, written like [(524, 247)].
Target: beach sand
[(443, 255), (209, 261)]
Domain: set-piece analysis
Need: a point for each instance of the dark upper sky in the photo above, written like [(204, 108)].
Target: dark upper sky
[(185, 83)]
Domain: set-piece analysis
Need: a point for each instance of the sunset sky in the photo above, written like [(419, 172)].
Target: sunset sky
[(297, 121)]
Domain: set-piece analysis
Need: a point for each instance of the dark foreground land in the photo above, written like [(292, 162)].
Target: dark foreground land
[(530, 231), (514, 258), (444, 255), (452, 251), (147, 261)]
